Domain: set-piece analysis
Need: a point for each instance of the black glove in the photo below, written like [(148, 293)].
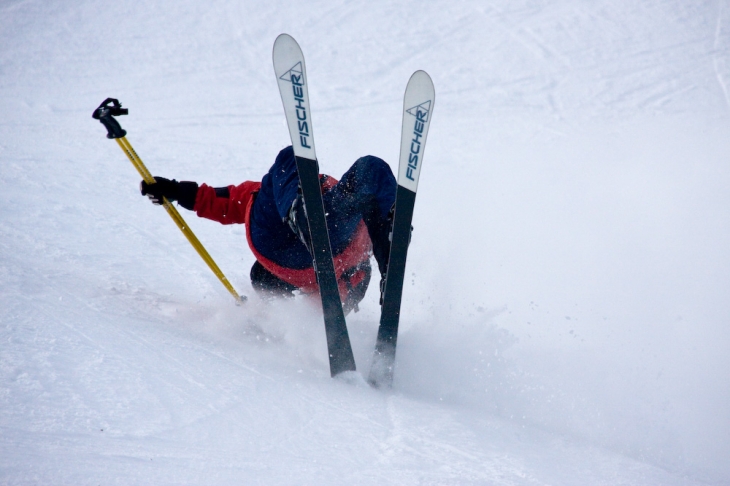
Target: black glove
[(184, 192)]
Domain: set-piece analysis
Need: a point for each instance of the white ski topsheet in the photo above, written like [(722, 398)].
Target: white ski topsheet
[(418, 105), (291, 75)]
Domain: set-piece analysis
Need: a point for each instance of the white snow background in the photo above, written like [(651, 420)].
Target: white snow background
[(566, 318)]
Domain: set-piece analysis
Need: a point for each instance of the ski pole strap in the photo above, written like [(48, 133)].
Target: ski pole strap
[(106, 112)]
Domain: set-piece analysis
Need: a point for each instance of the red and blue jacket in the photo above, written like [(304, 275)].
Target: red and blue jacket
[(236, 205)]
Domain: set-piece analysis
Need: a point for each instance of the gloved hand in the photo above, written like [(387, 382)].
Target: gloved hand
[(161, 188), (184, 192)]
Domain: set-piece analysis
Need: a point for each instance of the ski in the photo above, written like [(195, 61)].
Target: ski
[(292, 79), (418, 106)]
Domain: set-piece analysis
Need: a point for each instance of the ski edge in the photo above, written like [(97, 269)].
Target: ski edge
[(418, 104), (288, 59)]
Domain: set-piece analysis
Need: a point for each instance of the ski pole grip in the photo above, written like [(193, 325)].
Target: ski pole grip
[(106, 112)]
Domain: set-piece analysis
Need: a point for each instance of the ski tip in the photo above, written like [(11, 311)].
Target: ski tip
[(284, 40), (422, 82), (283, 37), (421, 73)]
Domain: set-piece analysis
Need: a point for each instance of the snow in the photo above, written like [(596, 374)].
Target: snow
[(566, 318)]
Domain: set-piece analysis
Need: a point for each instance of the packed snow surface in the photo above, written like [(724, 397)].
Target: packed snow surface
[(566, 318)]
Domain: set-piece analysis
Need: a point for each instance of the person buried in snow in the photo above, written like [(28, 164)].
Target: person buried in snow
[(359, 209)]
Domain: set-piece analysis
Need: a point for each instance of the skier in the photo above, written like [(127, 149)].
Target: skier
[(359, 215)]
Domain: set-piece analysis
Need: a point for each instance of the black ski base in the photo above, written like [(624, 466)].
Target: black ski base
[(338, 340), (381, 372)]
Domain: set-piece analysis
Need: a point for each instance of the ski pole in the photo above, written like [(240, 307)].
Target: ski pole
[(105, 113)]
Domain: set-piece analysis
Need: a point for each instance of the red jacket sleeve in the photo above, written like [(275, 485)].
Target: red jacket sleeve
[(226, 205)]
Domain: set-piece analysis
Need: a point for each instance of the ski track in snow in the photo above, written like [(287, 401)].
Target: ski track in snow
[(720, 49), (565, 307)]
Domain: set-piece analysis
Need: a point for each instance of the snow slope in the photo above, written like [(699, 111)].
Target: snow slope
[(567, 319)]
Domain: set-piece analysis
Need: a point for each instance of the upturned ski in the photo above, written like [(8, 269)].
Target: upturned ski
[(418, 106), (292, 79)]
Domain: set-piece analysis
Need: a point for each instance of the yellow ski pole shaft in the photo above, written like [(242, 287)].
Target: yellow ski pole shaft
[(177, 217), (105, 113)]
